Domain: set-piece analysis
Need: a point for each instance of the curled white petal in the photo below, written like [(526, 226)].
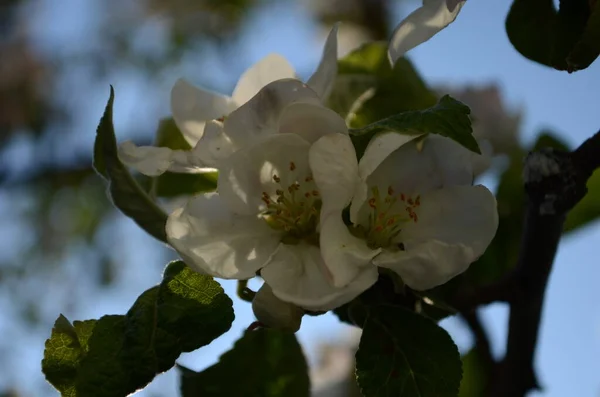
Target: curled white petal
[(154, 161), (421, 25), (379, 148), (310, 121), (297, 274), (214, 146), (192, 107), (344, 255), (275, 313), (335, 170), (324, 77), (149, 160), (259, 117), (215, 241), (268, 69)]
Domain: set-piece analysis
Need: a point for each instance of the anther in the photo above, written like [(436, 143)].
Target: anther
[(372, 202), (292, 166)]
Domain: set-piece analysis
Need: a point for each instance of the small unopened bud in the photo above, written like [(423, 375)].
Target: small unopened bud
[(275, 313)]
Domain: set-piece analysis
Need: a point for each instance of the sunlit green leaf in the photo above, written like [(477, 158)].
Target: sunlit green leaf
[(64, 352), (127, 195), (263, 363), (116, 355), (404, 354)]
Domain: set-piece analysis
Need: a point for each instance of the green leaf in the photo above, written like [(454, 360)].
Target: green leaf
[(449, 118), (529, 26), (587, 49), (171, 184), (474, 378), (168, 135), (127, 195), (193, 306), (64, 352), (366, 72), (403, 354), (102, 373), (263, 363), (567, 39), (116, 355)]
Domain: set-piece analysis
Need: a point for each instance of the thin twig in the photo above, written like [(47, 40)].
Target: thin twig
[(482, 341)]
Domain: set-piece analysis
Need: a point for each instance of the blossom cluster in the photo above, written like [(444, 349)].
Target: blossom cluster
[(295, 205)]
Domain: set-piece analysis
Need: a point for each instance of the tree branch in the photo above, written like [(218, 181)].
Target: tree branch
[(554, 181)]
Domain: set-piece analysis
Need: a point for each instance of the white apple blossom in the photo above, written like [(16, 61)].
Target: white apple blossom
[(265, 215), (413, 209), (421, 25), (194, 108)]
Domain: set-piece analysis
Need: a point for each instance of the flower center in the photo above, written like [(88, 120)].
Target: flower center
[(294, 209), (387, 216)]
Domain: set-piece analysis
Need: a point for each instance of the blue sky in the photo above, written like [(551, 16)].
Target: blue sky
[(474, 49)]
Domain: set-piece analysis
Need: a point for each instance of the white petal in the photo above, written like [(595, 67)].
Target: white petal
[(214, 146), (154, 161), (298, 275), (270, 68), (250, 171), (311, 121), (335, 170), (379, 148), (416, 169), (218, 242), (464, 215), (192, 107), (344, 255), (385, 154), (324, 77), (421, 25), (149, 160), (427, 265), (454, 161), (260, 116), (275, 313), (455, 226)]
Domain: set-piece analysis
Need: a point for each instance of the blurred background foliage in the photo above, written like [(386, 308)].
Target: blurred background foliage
[(65, 248)]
